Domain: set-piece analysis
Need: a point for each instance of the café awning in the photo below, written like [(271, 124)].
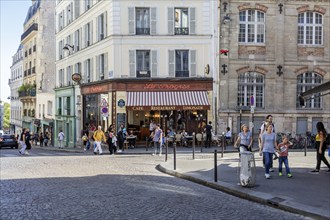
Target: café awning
[(173, 98)]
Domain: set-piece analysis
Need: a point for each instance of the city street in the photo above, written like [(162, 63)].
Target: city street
[(64, 185)]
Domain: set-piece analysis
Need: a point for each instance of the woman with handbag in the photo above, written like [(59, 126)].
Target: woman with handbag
[(244, 140)]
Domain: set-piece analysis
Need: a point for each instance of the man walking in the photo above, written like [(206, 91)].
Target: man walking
[(99, 137), (208, 131), (158, 138), (60, 139)]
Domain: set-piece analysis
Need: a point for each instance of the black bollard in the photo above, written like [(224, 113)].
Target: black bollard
[(166, 151), (223, 144), (215, 166), (174, 155), (194, 139), (146, 143)]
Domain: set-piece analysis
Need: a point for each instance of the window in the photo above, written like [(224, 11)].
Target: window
[(88, 34), (61, 21), (101, 26), (49, 108), (77, 68), (250, 84), (60, 77), (88, 71), (305, 82), (68, 105), (251, 27), (69, 12), (142, 16), (77, 40), (76, 9), (310, 28), (181, 63), (101, 66), (143, 63), (60, 50), (181, 21), (59, 111), (87, 4), (68, 75)]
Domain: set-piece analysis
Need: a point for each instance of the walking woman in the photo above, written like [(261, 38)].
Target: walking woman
[(244, 139), (320, 147), (268, 145)]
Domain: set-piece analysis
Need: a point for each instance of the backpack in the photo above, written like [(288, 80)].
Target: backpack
[(327, 140)]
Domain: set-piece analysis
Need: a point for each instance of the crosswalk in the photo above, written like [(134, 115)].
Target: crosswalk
[(32, 153)]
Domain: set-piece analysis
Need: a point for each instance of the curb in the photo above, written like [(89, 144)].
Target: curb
[(245, 193)]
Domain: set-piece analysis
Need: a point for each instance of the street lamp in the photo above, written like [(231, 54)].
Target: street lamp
[(68, 46)]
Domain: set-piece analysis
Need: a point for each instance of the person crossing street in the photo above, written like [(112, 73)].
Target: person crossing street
[(99, 136)]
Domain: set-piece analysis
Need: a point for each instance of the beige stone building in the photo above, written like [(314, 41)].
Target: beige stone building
[(276, 50), (37, 94)]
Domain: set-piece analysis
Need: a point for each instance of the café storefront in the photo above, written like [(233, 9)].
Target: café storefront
[(175, 105)]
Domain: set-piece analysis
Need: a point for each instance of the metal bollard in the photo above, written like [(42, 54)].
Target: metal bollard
[(146, 143), (174, 155), (193, 145), (166, 151), (305, 147), (223, 144), (202, 142), (215, 166)]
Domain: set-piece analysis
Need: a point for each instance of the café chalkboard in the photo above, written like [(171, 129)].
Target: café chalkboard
[(121, 119)]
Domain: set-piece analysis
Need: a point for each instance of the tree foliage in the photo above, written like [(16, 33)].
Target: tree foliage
[(6, 117)]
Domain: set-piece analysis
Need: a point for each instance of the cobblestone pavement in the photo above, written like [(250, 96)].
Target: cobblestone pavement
[(112, 187)]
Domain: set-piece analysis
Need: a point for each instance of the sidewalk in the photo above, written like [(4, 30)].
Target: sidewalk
[(305, 193)]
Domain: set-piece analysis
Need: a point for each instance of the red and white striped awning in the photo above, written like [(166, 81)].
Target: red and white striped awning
[(176, 98)]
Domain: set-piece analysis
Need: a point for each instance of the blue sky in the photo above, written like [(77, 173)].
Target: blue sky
[(12, 16)]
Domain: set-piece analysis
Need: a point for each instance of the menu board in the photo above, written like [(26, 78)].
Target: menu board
[(121, 119)]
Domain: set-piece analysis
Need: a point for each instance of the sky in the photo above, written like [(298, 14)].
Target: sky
[(12, 16)]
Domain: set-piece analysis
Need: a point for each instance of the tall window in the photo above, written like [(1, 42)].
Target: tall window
[(250, 84), (310, 28), (251, 27), (61, 77), (69, 75), (101, 66), (142, 16), (181, 21), (88, 38), (88, 71), (77, 40), (305, 82), (101, 26), (181, 63), (143, 63)]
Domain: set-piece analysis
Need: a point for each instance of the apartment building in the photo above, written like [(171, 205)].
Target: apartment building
[(133, 62), (36, 93), (15, 82), (271, 52)]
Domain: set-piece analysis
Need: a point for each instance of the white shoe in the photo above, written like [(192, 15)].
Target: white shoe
[(271, 170), (26, 153), (267, 176), (160, 154), (153, 154), (119, 151)]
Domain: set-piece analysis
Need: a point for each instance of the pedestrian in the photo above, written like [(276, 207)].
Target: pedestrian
[(98, 138), (283, 149), (152, 126), (110, 141), (84, 138), (28, 139), (36, 138), (244, 139), (157, 139), (320, 146), (60, 139), (41, 139), (120, 138), (228, 135), (46, 139), (268, 144), (269, 121), (208, 131), (131, 138), (22, 142)]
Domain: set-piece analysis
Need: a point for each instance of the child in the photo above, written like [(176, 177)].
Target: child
[(283, 149)]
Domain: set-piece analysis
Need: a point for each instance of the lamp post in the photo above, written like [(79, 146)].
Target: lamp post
[(240, 118)]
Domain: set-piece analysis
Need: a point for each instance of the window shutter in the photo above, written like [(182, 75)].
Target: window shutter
[(92, 68), (76, 8), (86, 35), (153, 20), (131, 20), (105, 19), (171, 63), (106, 75), (192, 71), (192, 21), (85, 72), (99, 32), (154, 63), (132, 63), (91, 33), (170, 21), (97, 74)]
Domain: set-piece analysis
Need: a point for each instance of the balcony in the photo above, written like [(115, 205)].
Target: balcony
[(182, 73), (33, 27), (142, 31), (142, 74), (181, 31), (26, 91)]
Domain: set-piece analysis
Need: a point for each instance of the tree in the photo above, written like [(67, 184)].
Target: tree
[(6, 117)]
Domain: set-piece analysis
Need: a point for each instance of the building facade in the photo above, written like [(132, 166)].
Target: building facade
[(38, 40), (271, 51), (16, 81), (138, 61)]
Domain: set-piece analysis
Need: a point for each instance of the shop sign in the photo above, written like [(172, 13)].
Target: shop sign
[(166, 108), (167, 86), (121, 103), (94, 89)]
